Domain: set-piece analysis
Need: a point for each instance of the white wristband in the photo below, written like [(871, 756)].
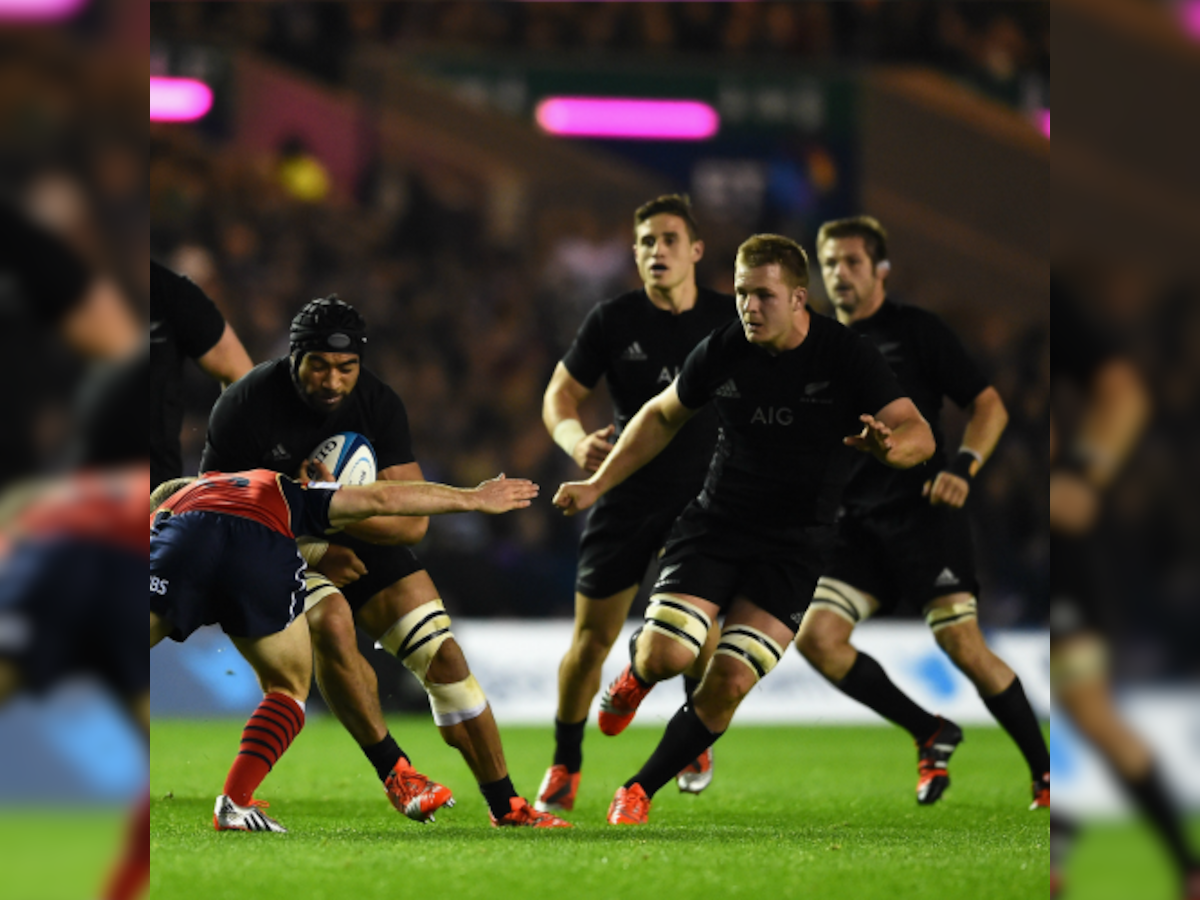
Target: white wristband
[(975, 453), (567, 434)]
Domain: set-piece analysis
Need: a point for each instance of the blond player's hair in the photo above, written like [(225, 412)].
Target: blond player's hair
[(768, 249)]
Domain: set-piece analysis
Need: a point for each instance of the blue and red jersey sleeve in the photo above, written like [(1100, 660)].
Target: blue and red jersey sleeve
[(263, 496)]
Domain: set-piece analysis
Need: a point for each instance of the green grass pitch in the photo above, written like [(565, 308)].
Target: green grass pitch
[(792, 812)]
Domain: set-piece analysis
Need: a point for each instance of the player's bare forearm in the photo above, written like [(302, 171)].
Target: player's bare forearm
[(1117, 412), (562, 398), (647, 435), (413, 501), (989, 418), (912, 444), (392, 530)]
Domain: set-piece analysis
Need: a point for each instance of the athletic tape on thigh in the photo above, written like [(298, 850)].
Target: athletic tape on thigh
[(838, 597), (319, 587), (751, 646), (415, 638), (458, 702), (312, 549), (1081, 659), (679, 620), (943, 616)]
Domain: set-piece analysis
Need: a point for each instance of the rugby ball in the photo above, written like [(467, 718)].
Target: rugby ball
[(349, 456)]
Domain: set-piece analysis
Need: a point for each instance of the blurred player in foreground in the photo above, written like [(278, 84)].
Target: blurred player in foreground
[(223, 551), (638, 341), (273, 418), (903, 534), (1115, 410), (68, 589), (788, 386)]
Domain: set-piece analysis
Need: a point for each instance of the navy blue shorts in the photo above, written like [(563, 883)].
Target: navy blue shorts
[(69, 607), (209, 568)]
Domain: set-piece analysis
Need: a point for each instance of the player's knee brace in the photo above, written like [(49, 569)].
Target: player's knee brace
[(944, 616), (1080, 659), (317, 588), (415, 640), (749, 645), (679, 620), (842, 599)]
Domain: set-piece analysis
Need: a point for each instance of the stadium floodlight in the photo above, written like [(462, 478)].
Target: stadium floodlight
[(178, 99), (39, 10), (628, 118), (1189, 17)]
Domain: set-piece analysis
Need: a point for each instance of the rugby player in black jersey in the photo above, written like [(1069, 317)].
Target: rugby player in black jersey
[(272, 418), (638, 341), (792, 389), (184, 324), (904, 535), (1083, 464)]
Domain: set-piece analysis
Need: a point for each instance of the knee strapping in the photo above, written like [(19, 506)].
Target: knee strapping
[(1080, 660), (317, 588), (944, 616), (846, 601), (457, 702), (415, 640), (679, 620), (749, 645)]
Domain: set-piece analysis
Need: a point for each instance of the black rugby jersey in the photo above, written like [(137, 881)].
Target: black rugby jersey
[(260, 422), (184, 324), (930, 363), (1080, 346), (780, 463), (41, 281), (640, 349)]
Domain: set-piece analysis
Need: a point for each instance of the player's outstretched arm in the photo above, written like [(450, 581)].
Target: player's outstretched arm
[(897, 435), (647, 434), (423, 498)]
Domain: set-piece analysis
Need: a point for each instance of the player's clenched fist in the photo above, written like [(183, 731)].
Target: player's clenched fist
[(575, 496), (947, 489), (500, 494)]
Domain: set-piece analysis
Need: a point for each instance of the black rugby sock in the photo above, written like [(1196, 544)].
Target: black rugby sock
[(384, 755), (867, 683), (686, 738), (568, 744), (498, 794), (1150, 794), (1012, 710), (689, 686)]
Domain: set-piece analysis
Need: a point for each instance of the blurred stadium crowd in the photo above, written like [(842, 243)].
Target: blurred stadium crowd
[(1001, 48)]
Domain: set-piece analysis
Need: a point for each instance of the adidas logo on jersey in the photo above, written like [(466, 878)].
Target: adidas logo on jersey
[(945, 578), (279, 452), (634, 353), (729, 391), (889, 350)]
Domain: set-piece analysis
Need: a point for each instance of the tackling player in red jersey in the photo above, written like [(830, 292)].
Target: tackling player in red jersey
[(223, 551)]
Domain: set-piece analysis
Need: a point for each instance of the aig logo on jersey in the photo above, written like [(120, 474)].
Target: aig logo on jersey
[(772, 415), (665, 376)]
